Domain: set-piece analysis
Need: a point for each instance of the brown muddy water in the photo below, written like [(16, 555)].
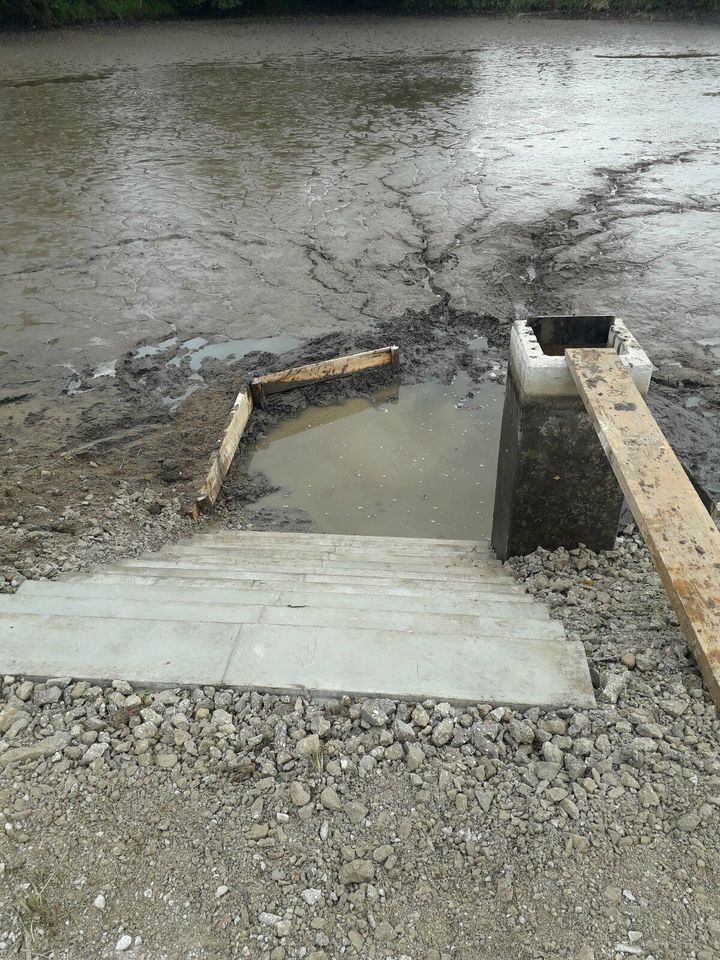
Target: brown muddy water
[(256, 178), (198, 190), (415, 461)]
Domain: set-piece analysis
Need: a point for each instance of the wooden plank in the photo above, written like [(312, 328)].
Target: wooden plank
[(254, 395), (324, 370), (683, 540), (222, 458)]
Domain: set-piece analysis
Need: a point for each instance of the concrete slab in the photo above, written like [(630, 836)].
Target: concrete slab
[(320, 564), (186, 610), (343, 539), (125, 608), (397, 548), (347, 569), (272, 576), (234, 554), (142, 651), (113, 585), (412, 667), (510, 624)]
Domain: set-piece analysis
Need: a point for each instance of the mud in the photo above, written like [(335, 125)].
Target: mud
[(128, 434), (176, 195), (655, 56)]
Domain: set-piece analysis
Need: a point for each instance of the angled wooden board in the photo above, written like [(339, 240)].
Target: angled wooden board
[(682, 538), (324, 370), (222, 458)]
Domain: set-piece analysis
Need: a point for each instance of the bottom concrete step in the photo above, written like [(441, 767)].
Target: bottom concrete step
[(319, 660)]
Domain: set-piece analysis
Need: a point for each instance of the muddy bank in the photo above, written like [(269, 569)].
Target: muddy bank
[(109, 468), (121, 434)]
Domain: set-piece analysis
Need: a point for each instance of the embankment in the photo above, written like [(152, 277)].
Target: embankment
[(54, 13)]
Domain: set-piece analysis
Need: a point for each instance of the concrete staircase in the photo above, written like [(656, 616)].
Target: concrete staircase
[(326, 614)]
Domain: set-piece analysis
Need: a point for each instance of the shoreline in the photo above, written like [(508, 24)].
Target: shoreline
[(163, 12)]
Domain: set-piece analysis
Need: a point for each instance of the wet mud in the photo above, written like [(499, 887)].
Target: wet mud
[(189, 205)]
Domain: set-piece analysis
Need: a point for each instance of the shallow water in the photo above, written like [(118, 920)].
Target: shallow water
[(414, 461), (200, 350), (255, 178)]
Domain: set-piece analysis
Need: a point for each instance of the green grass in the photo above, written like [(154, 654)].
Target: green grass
[(80, 11), (45, 13)]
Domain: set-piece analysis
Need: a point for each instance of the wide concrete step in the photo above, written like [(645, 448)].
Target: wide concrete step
[(339, 540), (212, 590), (398, 566), (348, 569), (248, 592), (320, 660), (153, 608), (396, 548), (480, 559), (266, 577)]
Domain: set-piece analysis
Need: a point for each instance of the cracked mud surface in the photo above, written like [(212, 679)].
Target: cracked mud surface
[(338, 182)]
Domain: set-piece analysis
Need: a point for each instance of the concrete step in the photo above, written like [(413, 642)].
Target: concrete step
[(468, 585), (392, 547), (474, 558), (396, 565), (154, 608), (320, 660), (147, 652), (342, 540), (114, 586), (348, 569)]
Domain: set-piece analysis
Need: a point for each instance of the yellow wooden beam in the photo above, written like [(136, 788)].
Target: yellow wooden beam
[(222, 458), (682, 538), (324, 370)]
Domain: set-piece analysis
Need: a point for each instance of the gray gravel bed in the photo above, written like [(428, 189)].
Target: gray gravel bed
[(205, 823)]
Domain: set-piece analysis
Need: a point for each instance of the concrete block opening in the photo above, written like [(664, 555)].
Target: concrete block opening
[(556, 334)]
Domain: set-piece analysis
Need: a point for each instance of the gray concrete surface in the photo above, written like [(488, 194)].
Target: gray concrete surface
[(422, 632)]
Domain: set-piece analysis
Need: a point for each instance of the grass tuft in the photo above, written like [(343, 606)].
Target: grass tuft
[(317, 759), (37, 917)]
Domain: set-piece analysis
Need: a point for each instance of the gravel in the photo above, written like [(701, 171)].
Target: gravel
[(207, 823), (88, 533)]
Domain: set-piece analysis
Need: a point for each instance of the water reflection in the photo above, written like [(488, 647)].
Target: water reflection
[(414, 461)]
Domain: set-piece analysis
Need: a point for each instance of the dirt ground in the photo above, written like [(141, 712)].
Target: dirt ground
[(199, 824)]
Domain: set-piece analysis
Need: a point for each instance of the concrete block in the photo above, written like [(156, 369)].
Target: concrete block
[(555, 486)]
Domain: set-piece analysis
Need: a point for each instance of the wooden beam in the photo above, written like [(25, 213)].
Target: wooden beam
[(324, 370), (254, 395), (683, 540), (222, 458)]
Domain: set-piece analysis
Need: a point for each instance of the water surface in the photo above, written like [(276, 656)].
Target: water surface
[(416, 461), (257, 178)]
